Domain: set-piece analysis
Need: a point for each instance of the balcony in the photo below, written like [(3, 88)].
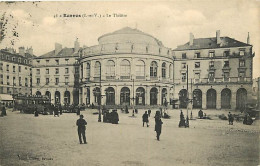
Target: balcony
[(140, 77), (110, 77), (241, 79), (154, 78), (96, 78), (211, 79), (197, 80), (226, 79), (125, 77)]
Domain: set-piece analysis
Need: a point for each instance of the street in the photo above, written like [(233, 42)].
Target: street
[(48, 140)]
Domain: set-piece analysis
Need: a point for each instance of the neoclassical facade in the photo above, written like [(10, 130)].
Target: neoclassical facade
[(128, 67)]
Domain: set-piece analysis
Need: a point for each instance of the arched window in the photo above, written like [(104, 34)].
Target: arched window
[(125, 69), (110, 69), (153, 69), (88, 71), (97, 69), (164, 70), (170, 71), (140, 70)]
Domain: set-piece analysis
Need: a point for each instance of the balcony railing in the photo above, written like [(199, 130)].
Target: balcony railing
[(154, 78), (110, 77), (226, 79), (241, 79), (124, 77), (211, 79), (140, 77)]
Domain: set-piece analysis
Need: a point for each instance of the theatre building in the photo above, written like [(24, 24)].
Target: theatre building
[(127, 67), (55, 74), (219, 72)]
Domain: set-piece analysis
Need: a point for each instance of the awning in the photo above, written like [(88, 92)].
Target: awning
[(6, 97)]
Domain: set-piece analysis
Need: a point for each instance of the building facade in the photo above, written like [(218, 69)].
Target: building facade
[(128, 67), (55, 74), (219, 72), (15, 71)]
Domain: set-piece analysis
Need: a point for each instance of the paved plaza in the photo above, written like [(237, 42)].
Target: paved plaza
[(47, 140)]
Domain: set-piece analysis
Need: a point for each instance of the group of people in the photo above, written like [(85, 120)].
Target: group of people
[(111, 117), (183, 122)]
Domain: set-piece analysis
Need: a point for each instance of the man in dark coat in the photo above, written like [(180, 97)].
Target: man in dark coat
[(149, 112), (230, 119), (36, 113), (158, 124), (145, 119), (3, 111), (56, 111), (182, 120), (81, 123), (60, 109), (77, 110), (126, 109), (200, 113), (114, 117)]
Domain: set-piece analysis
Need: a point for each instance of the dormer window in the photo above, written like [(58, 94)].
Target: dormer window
[(226, 53), (57, 61), (197, 55), (242, 52)]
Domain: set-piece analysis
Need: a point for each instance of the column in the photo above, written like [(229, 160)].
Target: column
[(147, 70), (233, 99), (218, 100), (62, 97), (117, 94), (92, 97), (159, 100), (204, 100), (103, 97)]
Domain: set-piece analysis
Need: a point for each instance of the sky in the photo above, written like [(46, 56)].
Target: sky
[(36, 26)]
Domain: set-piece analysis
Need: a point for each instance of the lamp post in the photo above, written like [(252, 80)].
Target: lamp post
[(100, 95), (133, 95)]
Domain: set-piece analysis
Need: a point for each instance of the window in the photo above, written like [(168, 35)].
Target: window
[(20, 68), (197, 64), (226, 76), (125, 69), (26, 81), (47, 71), (7, 78), (20, 81), (25, 61), (56, 70), (183, 65), (19, 60), (47, 81), (14, 82), (212, 54), (226, 64), (184, 56), (183, 77), (226, 53), (57, 61), (66, 70), (38, 61), (197, 55), (211, 76), (88, 71), (140, 70), (197, 77), (13, 59), (170, 71), (241, 75), (25, 68), (38, 80), (7, 57), (1, 66), (211, 64), (241, 63), (13, 69), (164, 70), (47, 61), (1, 79), (7, 67), (56, 81), (38, 71), (76, 69), (110, 68), (242, 52), (66, 61), (66, 80), (97, 69), (153, 69)]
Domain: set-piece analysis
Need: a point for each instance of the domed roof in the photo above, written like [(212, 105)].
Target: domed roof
[(126, 35)]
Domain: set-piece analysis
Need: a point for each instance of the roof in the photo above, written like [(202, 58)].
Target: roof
[(65, 52), (211, 43), (6, 97), (128, 30)]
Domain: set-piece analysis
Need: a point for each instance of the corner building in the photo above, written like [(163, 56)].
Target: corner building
[(127, 67), (219, 72)]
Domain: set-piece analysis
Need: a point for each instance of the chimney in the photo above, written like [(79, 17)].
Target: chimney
[(11, 50), (76, 45), (191, 39), (21, 51), (218, 37), (29, 51), (58, 48), (248, 39)]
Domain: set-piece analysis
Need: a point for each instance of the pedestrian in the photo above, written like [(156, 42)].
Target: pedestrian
[(149, 112), (126, 109), (115, 117), (77, 110), (36, 113), (145, 119), (230, 119), (3, 113), (158, 125), (200, 114), (60, 109), (81, 123), (56, 111), (92, 106), (182, 120), (161, 111)]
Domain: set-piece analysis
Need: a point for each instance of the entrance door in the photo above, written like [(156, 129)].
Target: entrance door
[(125, 96), (211, 98), (110, 96), (241, 98), (197, 98), (153, 96), (183, 98), (140, 96), (225, 98)]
